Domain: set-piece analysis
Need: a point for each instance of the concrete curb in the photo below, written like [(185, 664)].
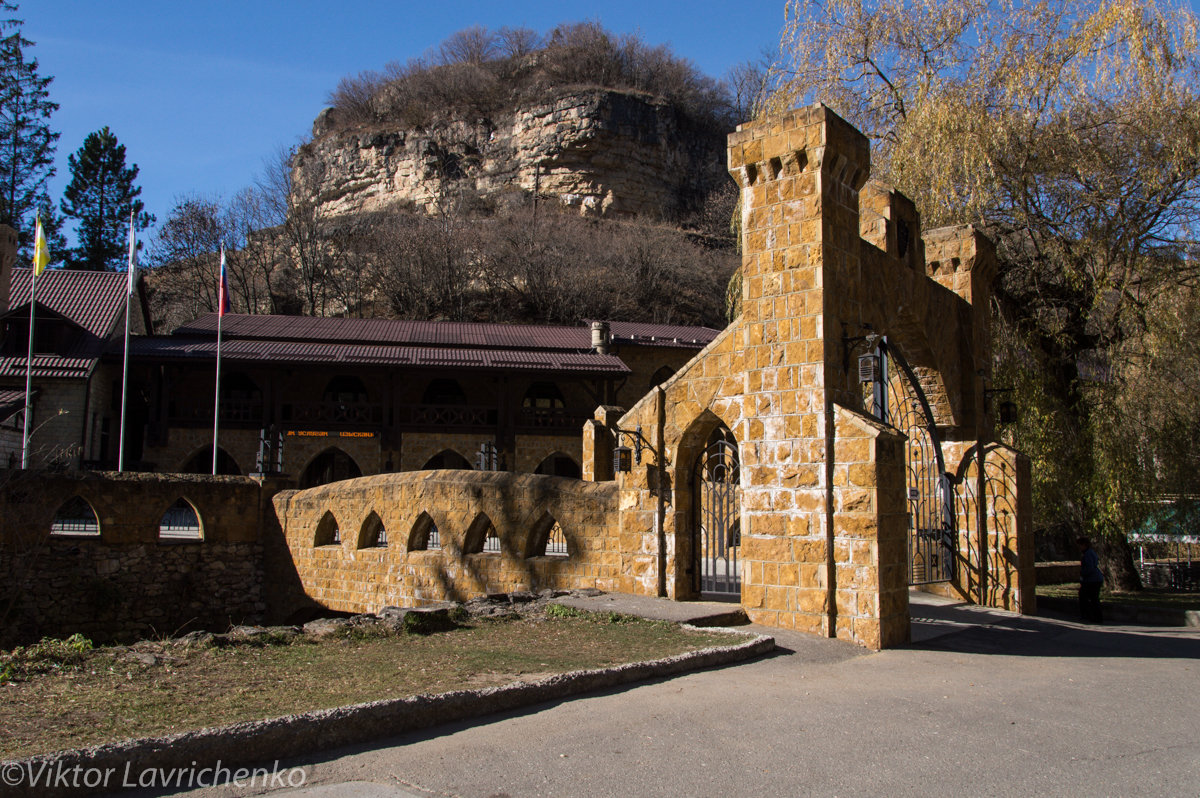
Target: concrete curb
[(243, 744), (1127, 613)]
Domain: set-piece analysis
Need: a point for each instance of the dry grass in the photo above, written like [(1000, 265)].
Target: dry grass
[(1150, 597), (110, 695)]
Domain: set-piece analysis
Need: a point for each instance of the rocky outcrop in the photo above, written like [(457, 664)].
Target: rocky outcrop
[(607, 153)]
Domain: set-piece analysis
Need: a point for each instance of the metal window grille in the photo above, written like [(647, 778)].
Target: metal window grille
[(179, 522), (76, 517), (491, 542), (556, 542)]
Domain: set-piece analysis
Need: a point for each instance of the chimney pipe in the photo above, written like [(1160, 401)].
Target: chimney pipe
[(601, 337)]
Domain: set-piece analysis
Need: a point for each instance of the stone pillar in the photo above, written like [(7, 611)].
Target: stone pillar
[(800, 174)]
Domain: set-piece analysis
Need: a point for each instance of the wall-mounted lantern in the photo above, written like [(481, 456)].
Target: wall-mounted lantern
[(1006, 411), (869, 368), (623, 456), (622, 460)]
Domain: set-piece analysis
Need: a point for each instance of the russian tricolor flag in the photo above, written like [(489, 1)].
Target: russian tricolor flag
[(223, 289)]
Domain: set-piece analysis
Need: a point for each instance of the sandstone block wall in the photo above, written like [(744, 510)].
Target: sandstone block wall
[(126, 583), (353, 576), (827, 260)]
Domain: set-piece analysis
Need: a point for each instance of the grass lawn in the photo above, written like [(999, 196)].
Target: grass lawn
[(65, 698), (1150, 597)]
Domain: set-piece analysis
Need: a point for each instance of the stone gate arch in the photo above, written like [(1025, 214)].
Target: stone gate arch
[(690, 488), (331, 465), (897, 398)]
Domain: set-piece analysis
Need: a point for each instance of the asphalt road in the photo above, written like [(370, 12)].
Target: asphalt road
[(988, 704)]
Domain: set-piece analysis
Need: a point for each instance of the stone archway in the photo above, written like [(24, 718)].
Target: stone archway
[(684, 571), (716, 518), (331, 465)]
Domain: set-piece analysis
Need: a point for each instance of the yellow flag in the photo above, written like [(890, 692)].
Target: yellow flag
[(41, 253)]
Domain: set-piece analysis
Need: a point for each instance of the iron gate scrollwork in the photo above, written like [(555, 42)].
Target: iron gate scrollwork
[(717, 537), (898, 400)]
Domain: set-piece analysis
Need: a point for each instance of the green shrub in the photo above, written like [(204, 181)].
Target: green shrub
[(45, 655)]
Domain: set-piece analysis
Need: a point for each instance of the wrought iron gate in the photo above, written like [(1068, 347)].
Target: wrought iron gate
[(717, 537), (898, 400)]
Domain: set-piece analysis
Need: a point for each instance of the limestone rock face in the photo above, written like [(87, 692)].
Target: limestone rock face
[(604, 152)]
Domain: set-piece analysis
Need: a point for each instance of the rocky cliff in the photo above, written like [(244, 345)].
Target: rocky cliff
[(607, 153)]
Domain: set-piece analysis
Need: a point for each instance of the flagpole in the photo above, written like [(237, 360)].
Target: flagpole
[(29, 370), (125, 365), (41, 256), (217, 393)]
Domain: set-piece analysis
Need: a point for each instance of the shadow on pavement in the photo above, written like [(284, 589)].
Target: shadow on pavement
[(976, 630)]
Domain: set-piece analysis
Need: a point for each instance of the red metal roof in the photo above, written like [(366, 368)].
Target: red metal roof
[(443, 333), (178, 347), (646, 334), (93, 300)]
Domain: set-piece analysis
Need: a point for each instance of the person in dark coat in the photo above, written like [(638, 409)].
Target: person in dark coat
[(1091, 579)]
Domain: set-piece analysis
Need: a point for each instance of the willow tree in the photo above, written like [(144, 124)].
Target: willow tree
[(1071, 132)]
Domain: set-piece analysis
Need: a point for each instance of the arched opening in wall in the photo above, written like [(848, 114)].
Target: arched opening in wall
[(345, 389), (481, 536), (543, 406), (373, 534), (75, 518), (660, 376), (327, 533), (543, 396), (180, 522), (447, 459), (443, 392), (559, 465), (241, 398), (331, 465), (424, 534), (547, 538), (716, 527), (895, 396), (201, 463)]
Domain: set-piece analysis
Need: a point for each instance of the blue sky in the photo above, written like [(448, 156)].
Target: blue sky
[(201, 93)]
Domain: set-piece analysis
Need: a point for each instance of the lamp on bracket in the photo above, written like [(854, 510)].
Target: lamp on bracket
[(1006, 411), (868, 363), (625, 456)]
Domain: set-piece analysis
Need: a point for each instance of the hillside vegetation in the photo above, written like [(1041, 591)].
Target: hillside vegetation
[(477, 72), (462, 254)]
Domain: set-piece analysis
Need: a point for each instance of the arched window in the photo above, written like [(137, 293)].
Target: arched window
[(662, 375), (331, 465), (444, 392), (180, 522), (447, 459), (328, 533), (239, 387), (424, 534), (344, 388), (75, 517), (201, 463), (373, 534), (543, 396), (559, 465), (481, 536), (547, 538)]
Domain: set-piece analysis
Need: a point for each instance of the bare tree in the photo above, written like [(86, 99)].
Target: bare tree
[(474, 45)]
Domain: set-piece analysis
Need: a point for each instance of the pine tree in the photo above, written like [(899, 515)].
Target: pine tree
[(52, 228), (100, 196), (27, 144)]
